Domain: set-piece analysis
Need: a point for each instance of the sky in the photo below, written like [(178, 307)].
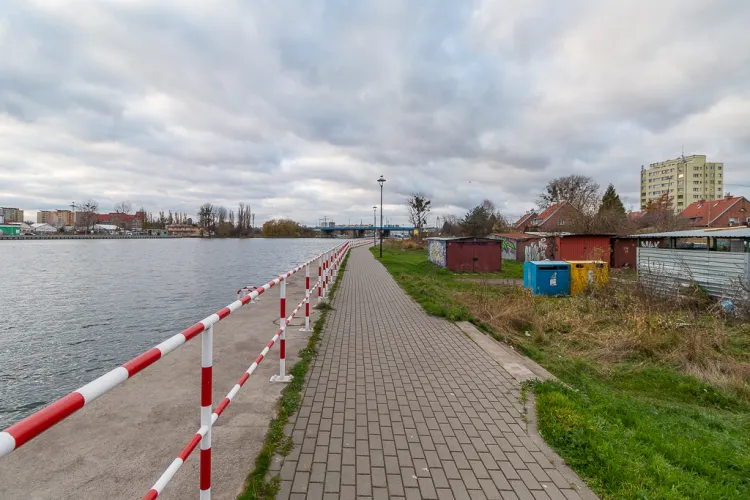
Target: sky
[(296, 108)]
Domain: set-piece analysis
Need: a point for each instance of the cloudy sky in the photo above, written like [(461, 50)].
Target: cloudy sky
[(296, 107)]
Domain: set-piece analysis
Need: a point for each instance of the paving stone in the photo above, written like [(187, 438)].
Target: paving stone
[(301, 481), (333, 482), (318, 473), (392, 408), (395, 484)]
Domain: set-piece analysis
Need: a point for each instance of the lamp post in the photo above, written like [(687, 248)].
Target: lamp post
[(381, 181), (374, 225)]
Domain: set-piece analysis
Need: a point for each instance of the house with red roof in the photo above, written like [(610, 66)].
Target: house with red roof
[(555, 218), (124, 221), (524, 223), (729, 211)]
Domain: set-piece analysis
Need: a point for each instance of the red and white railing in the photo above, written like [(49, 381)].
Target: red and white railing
[(27, 429)]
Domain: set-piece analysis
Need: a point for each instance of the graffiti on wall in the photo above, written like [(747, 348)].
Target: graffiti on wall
[(536, 250), (649, 244), (509, 249), (436, 252)]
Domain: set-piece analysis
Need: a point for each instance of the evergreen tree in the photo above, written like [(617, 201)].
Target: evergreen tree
[(611, 202)]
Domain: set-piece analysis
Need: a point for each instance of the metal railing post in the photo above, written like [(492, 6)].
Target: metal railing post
[(327, 274), (282, 376), (307, 300), (207, 345), (320, 278)]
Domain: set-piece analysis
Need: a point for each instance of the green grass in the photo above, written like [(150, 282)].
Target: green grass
[(638, 444), (633, 430), (258, 485), (512, 269)]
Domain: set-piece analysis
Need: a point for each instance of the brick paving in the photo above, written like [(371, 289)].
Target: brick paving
[(399, 404)]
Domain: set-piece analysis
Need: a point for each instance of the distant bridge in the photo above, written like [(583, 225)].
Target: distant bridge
[(359, 230), (360, 227)]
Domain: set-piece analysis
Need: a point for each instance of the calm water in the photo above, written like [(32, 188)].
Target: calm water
[(72, 310)]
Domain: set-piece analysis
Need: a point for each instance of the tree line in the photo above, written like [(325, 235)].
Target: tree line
[(595, 211), (216, 220)]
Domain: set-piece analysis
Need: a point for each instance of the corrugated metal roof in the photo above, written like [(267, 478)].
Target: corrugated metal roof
[(740, 232), (516, 236), (455, 238)]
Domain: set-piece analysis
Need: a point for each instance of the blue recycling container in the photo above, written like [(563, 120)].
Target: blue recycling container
[(547, 277)]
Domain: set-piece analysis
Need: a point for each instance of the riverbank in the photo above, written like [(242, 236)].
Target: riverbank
[(653, 396), (89, 237)]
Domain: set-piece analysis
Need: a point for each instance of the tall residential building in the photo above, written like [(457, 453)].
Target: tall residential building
[(47, 217), (12, 214), (683, 180), (56, 218), (65, 217)]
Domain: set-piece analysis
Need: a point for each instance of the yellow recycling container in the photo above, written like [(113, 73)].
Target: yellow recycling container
[(587, 273)]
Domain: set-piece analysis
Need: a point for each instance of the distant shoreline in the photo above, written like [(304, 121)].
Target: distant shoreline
[(89, 237), (145, 237)]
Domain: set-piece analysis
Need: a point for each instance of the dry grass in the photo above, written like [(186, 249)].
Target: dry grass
[(622, 323), (405, 244)]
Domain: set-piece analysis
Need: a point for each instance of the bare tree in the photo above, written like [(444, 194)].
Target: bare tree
[(579, 190), (124, 207), (451, 226), (418, 206), (206, 216), (221, 214), (88, 214)]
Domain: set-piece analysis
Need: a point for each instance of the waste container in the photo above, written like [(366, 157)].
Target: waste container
[(587, 273), (547, 277)]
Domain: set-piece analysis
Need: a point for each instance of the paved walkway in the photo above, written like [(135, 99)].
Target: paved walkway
[(400, 404)]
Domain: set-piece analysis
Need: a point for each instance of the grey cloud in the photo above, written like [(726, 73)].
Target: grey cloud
[(298, 108)]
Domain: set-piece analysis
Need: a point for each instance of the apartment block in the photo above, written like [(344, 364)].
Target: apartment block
[(55, 218), (11, 214), (65, 217), (683, 180), (47, 217)]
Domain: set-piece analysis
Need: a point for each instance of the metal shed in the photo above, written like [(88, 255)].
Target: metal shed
[(568, 246), (514, 244), (478, 255), (624, 253), (717, 260)]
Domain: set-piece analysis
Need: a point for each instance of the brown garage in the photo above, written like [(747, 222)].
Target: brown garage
[(477, 255)]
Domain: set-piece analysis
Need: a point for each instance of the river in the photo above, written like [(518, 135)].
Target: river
[(71, 310)]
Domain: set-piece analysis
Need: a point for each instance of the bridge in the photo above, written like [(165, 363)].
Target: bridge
[(360, 230)]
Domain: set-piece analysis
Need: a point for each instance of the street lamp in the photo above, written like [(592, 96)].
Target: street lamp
[(374, 225), (381, 181)]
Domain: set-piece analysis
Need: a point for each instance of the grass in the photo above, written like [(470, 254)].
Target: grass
[(259, 485), (656, 401), (511, 269)]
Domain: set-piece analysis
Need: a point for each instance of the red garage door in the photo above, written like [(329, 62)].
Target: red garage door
[(460, 256), (474, 256)]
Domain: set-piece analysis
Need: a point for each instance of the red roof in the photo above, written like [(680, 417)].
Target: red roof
[(634, 216), (550, 211), (525, 218), (699, 211), (121, 217)]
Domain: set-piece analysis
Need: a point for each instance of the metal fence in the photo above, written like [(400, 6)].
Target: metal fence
[(328, 262), (721, 274)]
